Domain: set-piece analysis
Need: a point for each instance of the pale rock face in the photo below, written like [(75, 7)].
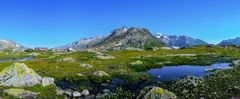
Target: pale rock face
[(76, 94), (86, 66), (47, 81), (67, 59), (19, 75), (85, 92), (100, 73), (137, 63), (105, 57), (152, 92)]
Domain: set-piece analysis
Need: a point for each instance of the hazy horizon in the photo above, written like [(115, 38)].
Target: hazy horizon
[(44, 23)]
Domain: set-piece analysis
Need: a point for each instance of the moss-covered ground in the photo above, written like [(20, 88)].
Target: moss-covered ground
[(48, 64)]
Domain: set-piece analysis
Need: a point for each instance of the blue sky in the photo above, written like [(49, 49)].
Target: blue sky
[(57, 22)]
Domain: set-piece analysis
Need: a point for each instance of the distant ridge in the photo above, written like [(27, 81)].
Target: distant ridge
[(7, 44), (179, 41), (118, 39), (235, 41)]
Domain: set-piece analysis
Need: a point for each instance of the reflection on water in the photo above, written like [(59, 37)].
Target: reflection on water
[(168, 73)]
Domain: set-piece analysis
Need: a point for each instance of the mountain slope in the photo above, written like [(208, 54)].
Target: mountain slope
[(235, 41), (82, 44), (6, 44), (129, 38), (118, 39), (180, 41)]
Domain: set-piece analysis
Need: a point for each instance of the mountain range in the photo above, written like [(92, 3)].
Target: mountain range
[(235, 41), (7, 44), (127, 38), (123, 38), (179, 41), (118, 39)]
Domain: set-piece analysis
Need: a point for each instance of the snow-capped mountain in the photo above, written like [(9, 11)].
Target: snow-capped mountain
[(235, 41), (7, 44), (179, 41), (116, 40)]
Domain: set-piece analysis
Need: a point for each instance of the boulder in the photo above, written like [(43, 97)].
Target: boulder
[(47, 81), (137, 63), (21, 93), (79, 74), (33, 54), (68, 92), (236, 62), (105, 57), (76, 94), (152, 92), (86, 66), (100, 73), (85, 92), (19, 75), (67, 59)]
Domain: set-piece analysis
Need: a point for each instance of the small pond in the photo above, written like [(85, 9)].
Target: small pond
[(17, 59), (168, 73)]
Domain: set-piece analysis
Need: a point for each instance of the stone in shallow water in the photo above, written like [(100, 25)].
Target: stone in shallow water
[(85, 92), (19, 75), (152, 92), (21, 93), (76, 94)]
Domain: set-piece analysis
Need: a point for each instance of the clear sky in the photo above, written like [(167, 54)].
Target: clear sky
[(58, 22)]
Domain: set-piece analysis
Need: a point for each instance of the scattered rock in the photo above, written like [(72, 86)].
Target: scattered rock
[(76, 94), (21, 93), (105, 57), (68, 92), (47, 81), (100, 73), (86, 66), (85, 92), (67, 59), (152, 92), (137, 63), (182, 55), (236, 62), (33, 54), (79, 74), (19, 75)]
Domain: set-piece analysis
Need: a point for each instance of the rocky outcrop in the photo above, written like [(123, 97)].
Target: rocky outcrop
[(19, 75), (87, 66), (105, 57), (152, 92), (67, 59), (47, 81), (137, 63), (100, 73), (21, 93)]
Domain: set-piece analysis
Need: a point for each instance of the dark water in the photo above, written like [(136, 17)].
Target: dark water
[(17, 59), (168, 73)]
